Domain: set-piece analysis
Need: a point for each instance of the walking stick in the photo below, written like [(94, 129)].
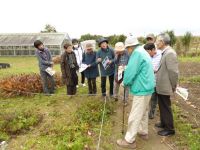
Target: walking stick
[(123, 111)]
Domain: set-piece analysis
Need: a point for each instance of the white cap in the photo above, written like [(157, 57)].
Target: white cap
[(119, 46), (131, 41)]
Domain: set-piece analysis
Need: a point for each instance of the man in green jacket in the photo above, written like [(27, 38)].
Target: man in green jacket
[(139, 77)]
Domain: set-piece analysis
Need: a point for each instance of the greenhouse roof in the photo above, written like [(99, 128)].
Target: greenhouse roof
[(27, 39)]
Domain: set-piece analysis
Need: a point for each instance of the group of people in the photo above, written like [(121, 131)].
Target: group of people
[(110, 62), (149, 72)]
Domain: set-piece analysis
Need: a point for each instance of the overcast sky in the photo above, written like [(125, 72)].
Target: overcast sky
[(104, 17)]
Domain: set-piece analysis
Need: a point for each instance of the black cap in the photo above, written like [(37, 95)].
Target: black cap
[(74, 41), (101, 40), (37, 43)]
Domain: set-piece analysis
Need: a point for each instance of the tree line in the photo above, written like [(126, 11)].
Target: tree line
[(182, 44)]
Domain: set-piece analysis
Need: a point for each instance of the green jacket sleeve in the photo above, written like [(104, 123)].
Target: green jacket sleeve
[(132, 69)]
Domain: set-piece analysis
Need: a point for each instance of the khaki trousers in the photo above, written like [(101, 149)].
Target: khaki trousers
[(116, 91), (138, 118)]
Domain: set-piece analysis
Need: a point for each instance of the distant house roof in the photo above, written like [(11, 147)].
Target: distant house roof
[(27, 39)]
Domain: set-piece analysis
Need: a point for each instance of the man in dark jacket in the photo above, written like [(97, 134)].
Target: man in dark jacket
[(105, 57), (45, 61)]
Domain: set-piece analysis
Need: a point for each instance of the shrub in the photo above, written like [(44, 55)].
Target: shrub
[(24, 85), (56, 59)]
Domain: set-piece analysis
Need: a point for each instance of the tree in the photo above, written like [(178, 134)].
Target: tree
[(122, 38), (178, 46), (89, 37), (186, 40), (142, 40), (49, 29), (113, 39), (172, 37)]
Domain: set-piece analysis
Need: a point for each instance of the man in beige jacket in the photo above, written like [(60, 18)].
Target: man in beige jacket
[(166, 83)]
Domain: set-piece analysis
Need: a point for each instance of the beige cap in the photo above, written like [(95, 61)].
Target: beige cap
[(119, 46), (89, 46)]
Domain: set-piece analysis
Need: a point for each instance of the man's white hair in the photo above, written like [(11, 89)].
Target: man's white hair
[(165, 38)]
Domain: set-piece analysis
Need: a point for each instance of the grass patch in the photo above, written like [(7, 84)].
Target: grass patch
[(73, 135), (21, 65), (187, 137), (193, 79), (189, 59), (91, 112), (16, 122)]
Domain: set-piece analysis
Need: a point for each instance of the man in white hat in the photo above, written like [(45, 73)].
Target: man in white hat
[(139, 77), (121, 61)]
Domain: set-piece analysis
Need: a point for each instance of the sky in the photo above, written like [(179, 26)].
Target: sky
[(103, 17)]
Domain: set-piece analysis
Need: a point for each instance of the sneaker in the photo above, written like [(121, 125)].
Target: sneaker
[(83, 85), (123, 143), (166, 132)]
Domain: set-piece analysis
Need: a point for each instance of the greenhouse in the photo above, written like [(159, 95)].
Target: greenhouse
[(22, 44)]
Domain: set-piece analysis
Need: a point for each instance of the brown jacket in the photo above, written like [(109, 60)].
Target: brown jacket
[(69, 77), (167, 74)]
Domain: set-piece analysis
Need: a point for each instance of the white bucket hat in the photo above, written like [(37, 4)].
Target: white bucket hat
[(119, 47), (131, 41)]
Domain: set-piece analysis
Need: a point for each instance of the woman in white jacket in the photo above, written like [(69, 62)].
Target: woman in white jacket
[(78, 50)]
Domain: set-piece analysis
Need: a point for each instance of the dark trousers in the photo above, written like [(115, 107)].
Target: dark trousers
[(92, 86), (82, 77), (166, 116), (153, 103), (71, 89), (48, 82), (103, 85)]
